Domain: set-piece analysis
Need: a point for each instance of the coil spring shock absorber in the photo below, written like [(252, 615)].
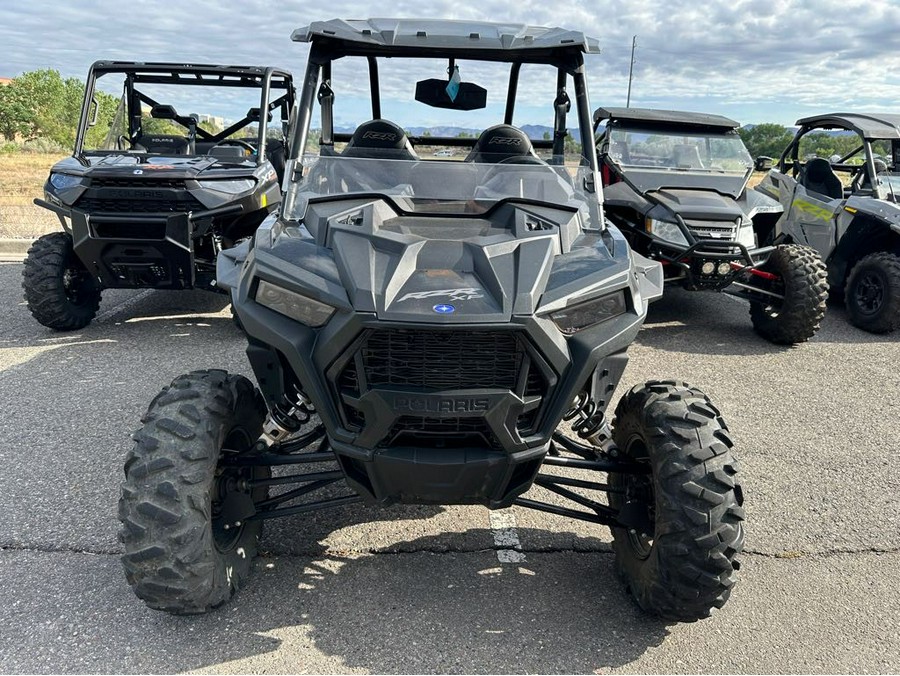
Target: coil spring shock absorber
[(591, 424), (286, 417)]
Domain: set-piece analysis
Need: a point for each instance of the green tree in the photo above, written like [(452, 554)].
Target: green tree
[(765, 139)]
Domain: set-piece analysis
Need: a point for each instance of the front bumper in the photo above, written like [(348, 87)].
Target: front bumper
[(688, 262)]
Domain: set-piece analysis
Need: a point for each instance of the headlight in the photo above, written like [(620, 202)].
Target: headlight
[(582, 315), (294, 305), (63, 181), (231, 186), (667, 231)]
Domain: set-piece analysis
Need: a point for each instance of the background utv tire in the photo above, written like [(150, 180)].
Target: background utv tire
[(803, 279), (691, 501), (178, 555), (873, 293), (61, 294)]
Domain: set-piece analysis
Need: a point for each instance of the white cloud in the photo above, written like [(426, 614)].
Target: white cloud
[(755, 61)]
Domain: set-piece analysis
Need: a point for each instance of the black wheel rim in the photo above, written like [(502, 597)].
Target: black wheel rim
[(229, 480), (869, 292), (639, 488), (77, 283)]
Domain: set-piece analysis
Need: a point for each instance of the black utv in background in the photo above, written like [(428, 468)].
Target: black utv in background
[(419, 329), (676, 184), (152, 209)]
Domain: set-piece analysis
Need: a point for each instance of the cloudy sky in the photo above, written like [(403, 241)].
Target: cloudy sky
[(755, 61)]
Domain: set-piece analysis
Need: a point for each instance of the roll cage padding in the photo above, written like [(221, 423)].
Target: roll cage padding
[(162, 143)]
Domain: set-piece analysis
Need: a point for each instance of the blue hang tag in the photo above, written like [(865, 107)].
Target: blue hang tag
[(453, 86)]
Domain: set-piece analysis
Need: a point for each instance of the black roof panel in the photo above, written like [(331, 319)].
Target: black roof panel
[(868, 125), (665, 117)]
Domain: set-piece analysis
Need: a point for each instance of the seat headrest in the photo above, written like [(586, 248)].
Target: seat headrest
[(378, 134), (818, 170), (380, 139), (499, 143)]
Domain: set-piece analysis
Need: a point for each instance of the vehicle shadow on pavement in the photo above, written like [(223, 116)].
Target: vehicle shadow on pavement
[(559, 612)]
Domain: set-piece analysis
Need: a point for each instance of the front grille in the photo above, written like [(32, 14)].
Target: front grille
[(712, 230), (442, 360), (171, 183), (138, 206)]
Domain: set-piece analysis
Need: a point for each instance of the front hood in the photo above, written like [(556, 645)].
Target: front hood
[(128, 164), (699, 204), (440, 270)]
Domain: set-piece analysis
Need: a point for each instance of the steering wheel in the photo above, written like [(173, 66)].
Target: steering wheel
[(236, 142)]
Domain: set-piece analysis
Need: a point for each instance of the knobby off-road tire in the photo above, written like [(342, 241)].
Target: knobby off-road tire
[(59, 291), (803, 279), (178, 556), (687, 565), (873, 293)]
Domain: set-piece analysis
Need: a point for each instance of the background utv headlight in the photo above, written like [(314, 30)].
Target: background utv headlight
[(231, 187), (294, 305), (63, 181), (582, 315), (666, 230)]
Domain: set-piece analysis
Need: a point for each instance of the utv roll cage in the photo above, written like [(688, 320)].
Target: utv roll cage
[(136, 73), (869, 127), (516, 44)]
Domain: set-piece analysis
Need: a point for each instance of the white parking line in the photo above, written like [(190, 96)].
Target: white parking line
[(503, 525)]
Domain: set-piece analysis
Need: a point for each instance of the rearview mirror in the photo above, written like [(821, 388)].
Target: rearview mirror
[(163, 113), (434, 93)]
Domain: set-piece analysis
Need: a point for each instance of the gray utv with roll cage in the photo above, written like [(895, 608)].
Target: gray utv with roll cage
[(854, 224), (419, 330), (675, 182), (152, 210)]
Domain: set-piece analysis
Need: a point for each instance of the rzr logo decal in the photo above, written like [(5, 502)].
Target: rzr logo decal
[(452, 294), (380, 136), (501, 141)]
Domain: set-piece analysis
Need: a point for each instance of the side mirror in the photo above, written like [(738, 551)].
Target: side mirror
[(253, 115)]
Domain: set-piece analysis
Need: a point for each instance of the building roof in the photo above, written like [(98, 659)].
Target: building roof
[(656, 117), (867, 125), (444, 35)]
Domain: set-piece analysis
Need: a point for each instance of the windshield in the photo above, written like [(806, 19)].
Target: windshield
[(435, 186), (679, 151)]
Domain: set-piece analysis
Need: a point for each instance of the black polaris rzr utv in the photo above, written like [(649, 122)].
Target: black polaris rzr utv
[(676, 184), (424, 326), (150, 200), (847, 208)]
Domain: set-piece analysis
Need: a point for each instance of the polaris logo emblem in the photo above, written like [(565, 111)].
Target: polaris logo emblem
[(444, 309), (452, 294), (441, 404), (380, 136), (138, 171)]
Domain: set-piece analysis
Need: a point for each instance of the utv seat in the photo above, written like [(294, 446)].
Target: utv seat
[(380, 140), (502, 143), (161, 144), (818, 177)]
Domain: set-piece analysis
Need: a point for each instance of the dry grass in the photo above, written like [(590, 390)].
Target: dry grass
[(22, 177)]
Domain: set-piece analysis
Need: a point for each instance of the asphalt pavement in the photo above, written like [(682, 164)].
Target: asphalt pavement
[(424, 589)]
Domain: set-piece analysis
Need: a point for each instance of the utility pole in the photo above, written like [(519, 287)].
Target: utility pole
[(631, 71)]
